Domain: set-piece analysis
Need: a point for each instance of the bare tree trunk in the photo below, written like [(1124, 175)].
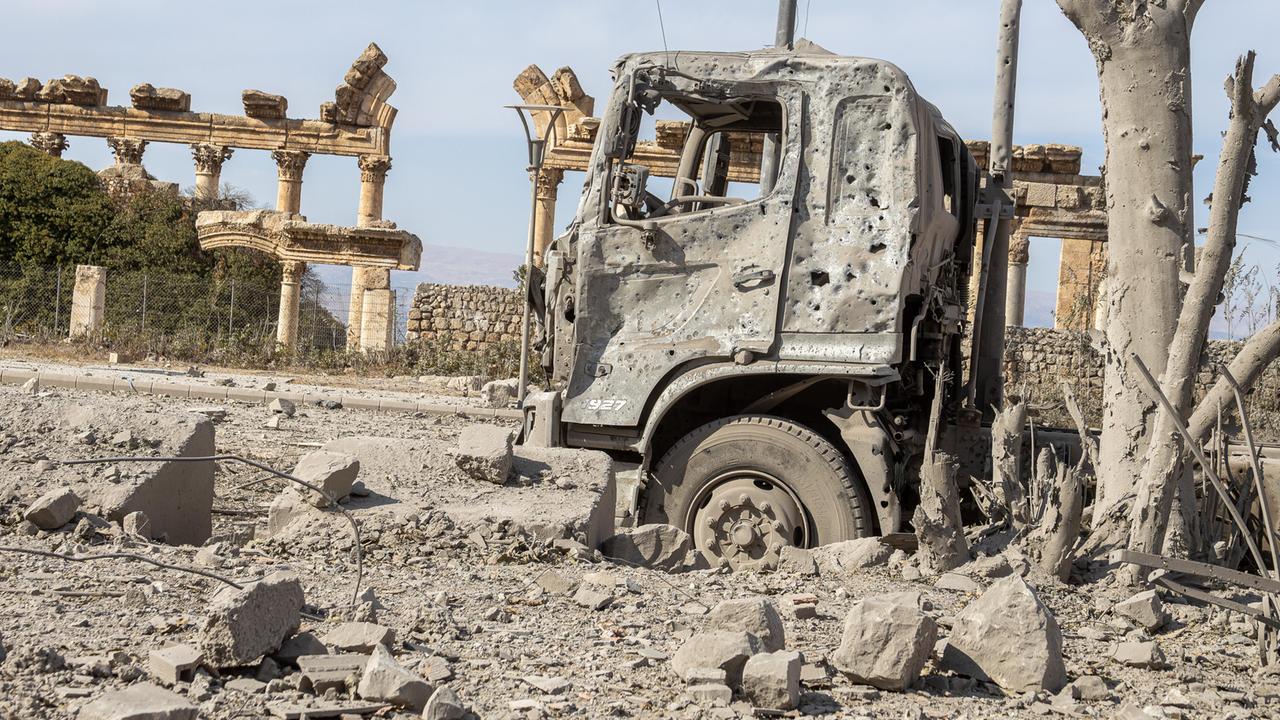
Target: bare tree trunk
[(1060, 526), (939, 530), (1163, 464), (1006, 463), (1143, 55)]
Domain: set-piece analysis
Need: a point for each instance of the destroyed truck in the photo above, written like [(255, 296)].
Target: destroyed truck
[(762, 357)]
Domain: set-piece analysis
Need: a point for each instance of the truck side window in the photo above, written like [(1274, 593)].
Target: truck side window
[(681, 156), (860, 177), (950, 175)]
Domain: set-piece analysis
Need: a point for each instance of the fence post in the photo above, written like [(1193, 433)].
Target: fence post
[(57, 301), (231, 316), (144, 303)]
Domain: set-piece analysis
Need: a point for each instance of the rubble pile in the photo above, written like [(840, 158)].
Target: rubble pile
[(500, 593)]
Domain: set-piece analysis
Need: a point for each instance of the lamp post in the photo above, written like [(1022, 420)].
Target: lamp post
[(537, 145)]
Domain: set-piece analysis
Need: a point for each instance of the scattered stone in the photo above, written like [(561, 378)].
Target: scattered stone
[(383, 679), (887, 641), (242, 625), (332, 472), (547, 685), (139, 702), (281, 406), (726, 650), (1009, 637), (124, 439), (264, 106), (797, 560), (1144, 609), (216, 414), (484, 452), (1091, 688), (592, 597), (710, 694), (958, 583), (803, 606), (1140, 654), (272, 423), (656, 546), (499, 393), (53, 509), (772, 680), (304, 643), (322, 672), (137, 524), (436, 669), (444, 704), (32, 386), (554, 583), (756, 616), (851, 555), (359, 637), (174, 664), (248, 686), (706, 676)]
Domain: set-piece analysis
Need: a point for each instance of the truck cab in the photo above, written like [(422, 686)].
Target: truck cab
[(764, 350)]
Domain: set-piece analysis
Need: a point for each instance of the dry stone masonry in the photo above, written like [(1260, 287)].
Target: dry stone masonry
[(465, 317)]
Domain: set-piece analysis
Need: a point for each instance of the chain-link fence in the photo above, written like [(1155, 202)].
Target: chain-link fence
[(182, 316)]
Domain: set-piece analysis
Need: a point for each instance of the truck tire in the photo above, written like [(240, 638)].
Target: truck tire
[(744, 486)]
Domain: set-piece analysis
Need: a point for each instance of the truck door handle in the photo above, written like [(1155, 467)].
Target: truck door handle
[(762, 276)]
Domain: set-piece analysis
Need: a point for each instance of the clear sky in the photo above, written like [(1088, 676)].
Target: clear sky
[(458, 178)]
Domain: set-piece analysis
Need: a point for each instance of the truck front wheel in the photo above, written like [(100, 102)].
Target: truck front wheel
[(745, 486)]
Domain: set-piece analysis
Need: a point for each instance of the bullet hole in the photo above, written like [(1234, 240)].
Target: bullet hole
[(818, 278), (873, 302), (850, 179), (848, 276), (877, 247), (875, 202)]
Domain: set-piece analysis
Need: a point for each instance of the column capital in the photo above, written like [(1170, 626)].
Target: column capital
[(290, 163), (548, 181), (293, 270), (209, 157), (50, 143), (1019, 250), (373, 168), (128, 151)]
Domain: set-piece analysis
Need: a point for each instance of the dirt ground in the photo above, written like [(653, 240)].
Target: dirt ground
[(485, 605)]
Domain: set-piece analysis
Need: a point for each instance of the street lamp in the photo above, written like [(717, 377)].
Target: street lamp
[(537, 153)]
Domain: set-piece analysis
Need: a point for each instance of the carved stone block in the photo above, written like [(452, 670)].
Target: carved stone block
[(73, 90), (148, 97), (264, 106)]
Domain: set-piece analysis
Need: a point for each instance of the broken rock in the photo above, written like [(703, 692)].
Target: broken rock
[(281, 406), (243, 625), (323, 672), (1140, 654), (757, 616), (139, 702), (332, 472), (444, 704), (53, 509), (174, 664), (1144, 609), (797, 560), (887, 641), (728, 651), (384, 680), (851, 555), (656, 546), (359, 637), (1009, 637), (772, 680), (484, 452)]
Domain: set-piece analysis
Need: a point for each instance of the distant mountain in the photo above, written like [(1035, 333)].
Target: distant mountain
[(463, 266)]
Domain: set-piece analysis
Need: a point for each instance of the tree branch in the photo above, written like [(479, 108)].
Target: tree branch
[(1268, 96), (1253, 359), (1190, 8)]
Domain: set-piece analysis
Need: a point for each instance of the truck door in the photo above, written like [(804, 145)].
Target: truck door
[(693, 278)]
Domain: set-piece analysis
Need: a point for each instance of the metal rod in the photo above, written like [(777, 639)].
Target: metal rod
[(57, 301), (1154, 392), (1247, 427), (1199, 569), (123, 556), (786, 36)]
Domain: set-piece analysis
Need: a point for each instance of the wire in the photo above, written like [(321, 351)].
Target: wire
[(663, 27)]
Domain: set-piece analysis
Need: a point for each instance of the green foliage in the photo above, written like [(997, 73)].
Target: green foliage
[(52, 211)]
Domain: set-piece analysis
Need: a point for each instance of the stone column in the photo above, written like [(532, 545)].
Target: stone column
[(1015, 299), (373, 175), (1080, 273), (209, 159), (127, 150), (289, 167), (290, 292), (544, 217), (377, 311), (88, 301), (51, 143)]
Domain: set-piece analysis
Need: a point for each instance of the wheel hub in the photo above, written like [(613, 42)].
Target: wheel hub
[(743, 519)]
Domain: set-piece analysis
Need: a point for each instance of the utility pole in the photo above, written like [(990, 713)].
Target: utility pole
[(785, 39)]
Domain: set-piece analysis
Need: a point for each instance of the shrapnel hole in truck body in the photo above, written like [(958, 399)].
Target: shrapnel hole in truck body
[(765, 351)]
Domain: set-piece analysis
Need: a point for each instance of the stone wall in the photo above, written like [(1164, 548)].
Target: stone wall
[(465, 317), (1039, 360)]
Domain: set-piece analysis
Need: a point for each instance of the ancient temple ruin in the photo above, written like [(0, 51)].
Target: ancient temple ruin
[(357, 123), (1053, 199)]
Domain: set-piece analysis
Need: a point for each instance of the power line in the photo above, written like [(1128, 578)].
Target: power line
[(663, 27), (808, 5)]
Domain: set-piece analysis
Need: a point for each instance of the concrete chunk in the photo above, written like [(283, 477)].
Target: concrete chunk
[(710, 694), (886, 642), (242, 625), (728, 651), (484, 452), (852, 555), (757, 616), (444, 704), (383, 679), (174, 664), (322, 672), (1140, 654), (360, 637), (53, 509), (139, 702), (332, 472), (772, 680), (281, 406), (656, 546), (304, 643), (1009, 637), (1144, 609)]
